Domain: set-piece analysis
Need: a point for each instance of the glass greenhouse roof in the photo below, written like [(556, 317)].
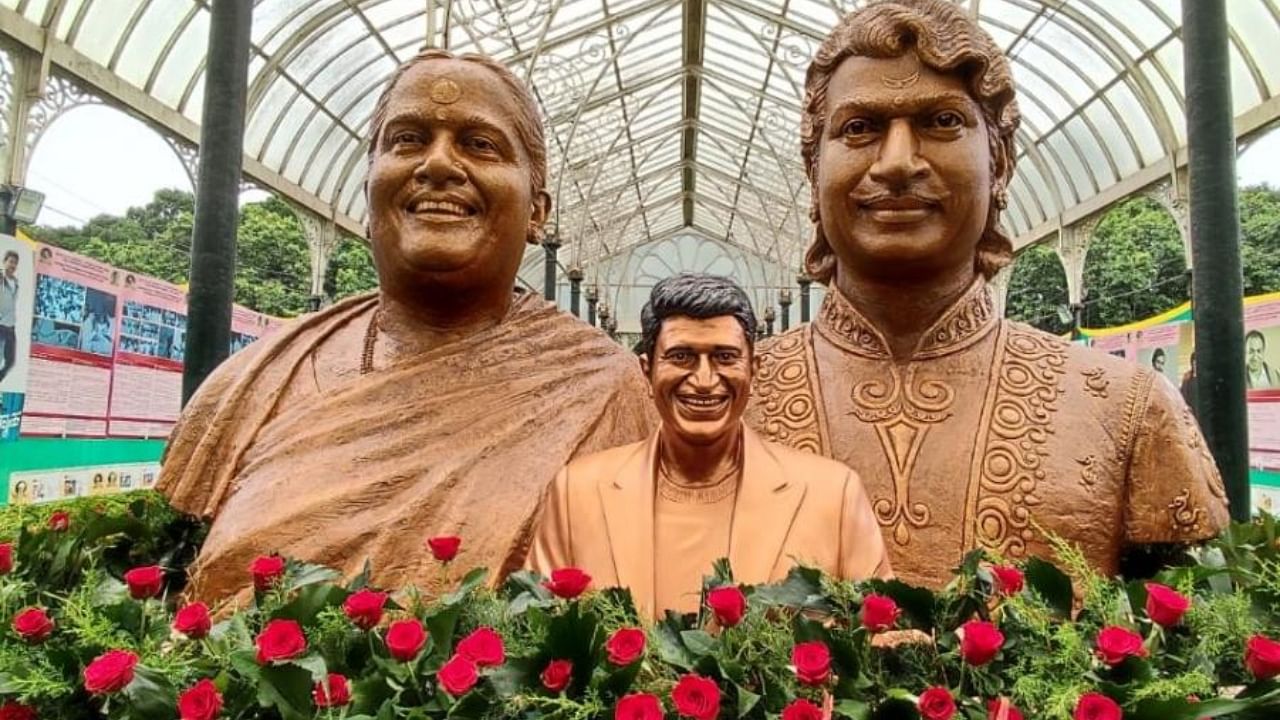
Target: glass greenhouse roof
[(665, 115)]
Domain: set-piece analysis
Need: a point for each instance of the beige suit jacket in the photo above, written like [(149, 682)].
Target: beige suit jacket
[(792, 508)]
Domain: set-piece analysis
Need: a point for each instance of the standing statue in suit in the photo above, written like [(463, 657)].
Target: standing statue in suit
[(654, 515), (969, 430)]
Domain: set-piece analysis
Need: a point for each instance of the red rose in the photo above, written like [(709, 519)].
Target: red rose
[(6, 564), (144, 582), (59, 521), (802, 710), (995, 707), (936, 703), (1166, 606), (337, 694), (280, 640), (625, 646), (1116, 643), (568, 583), (879, 613), (556, 675), (110, 672), (266, 571), (364, 608), (483, 647), (980, 642), (812, 661), (696, 697), (638, 706), (17, 711), (33, 625), (1009, 579), (1262, 657), (193, 620), (201, 702), (458, 675), (405, 639), (1095, 706), (444, 547), (728, 604)]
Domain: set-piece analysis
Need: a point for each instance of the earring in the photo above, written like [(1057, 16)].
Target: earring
[(1000, 197)]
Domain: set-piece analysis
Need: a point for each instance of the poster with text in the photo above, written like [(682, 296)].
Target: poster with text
[(41, 486), (146, 385), (1262, 346), (1158, 347), (73, 331), (17, 297)]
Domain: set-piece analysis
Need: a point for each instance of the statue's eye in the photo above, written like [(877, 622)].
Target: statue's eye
[(856, 126), (948, 120)]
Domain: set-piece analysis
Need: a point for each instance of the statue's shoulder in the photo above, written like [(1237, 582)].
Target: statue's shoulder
[(608, 463), (785, 345), (1076, 359)]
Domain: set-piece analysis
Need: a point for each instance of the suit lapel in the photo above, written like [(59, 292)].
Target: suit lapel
[(627, 500), (766, 506)]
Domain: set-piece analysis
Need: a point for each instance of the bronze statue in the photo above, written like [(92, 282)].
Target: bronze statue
[(654, 515), (969, 430), (442, 404)]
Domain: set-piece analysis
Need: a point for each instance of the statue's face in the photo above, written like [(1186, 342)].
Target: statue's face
[(700, 376), (904, 169), (449, 185)]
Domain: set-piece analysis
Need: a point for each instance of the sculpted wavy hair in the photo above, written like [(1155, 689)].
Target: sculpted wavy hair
[(698, 296), (946, 40), (527, 121)]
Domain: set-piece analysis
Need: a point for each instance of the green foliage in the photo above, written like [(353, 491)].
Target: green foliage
[(351, 269), (1037, 288), (1260, 234), (273, 269)]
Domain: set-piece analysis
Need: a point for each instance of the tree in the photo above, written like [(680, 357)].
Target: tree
[(1135, 267), (351, 269), (1037, 289), (273, 265), (1260, 235)]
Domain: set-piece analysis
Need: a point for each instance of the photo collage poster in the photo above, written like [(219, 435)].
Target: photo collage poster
[(17, 296)]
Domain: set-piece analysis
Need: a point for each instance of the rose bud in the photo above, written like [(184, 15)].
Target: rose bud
[(936, 703), (17, 711), (33, 625), (457, 676), (483, 647), (444, 547), (812, 661), (1095, 706), (1002, 704), (1115, 644), (1262, 657), (879, 613), (802, 710), (144, 582), (980, 642), (625, 646), (1166, 606), (110, 672), (405, 639), (568, 583), (338, 694), (638, 706), (201, 702), (556, 675), (696, 697), (364, 608), (6, 558), (59, 521), (267, 570), (280, 640), (193, 620), (1009, 579), (728, 604)]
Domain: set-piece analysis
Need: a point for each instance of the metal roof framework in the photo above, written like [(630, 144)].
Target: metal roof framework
[(662, 115)]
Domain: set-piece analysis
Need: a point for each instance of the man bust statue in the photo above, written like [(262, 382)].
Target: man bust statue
[(442, 404), (654, 515), (969, 430)]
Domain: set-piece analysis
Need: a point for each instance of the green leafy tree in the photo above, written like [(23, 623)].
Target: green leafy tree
[(1260, 234), (1037, 288), (273, 267), (1135, 266), (351, 269)]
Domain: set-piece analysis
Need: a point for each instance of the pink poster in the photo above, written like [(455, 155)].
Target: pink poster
[(73, 332), (146, 391)]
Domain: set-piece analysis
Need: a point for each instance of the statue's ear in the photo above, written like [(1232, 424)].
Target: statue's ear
[(644, 364), (538, 215)]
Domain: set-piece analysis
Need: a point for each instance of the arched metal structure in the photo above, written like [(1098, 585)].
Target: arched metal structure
[(664, 116)]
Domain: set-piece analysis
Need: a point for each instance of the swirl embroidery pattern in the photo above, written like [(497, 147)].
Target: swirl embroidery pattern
[(901, 414), (1021, 422), (785, 407)]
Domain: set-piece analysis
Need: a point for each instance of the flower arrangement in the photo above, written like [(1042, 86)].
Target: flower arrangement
[(97, 628)]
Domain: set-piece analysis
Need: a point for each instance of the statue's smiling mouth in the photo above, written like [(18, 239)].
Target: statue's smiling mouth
[(441, 209), (703, 404)]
